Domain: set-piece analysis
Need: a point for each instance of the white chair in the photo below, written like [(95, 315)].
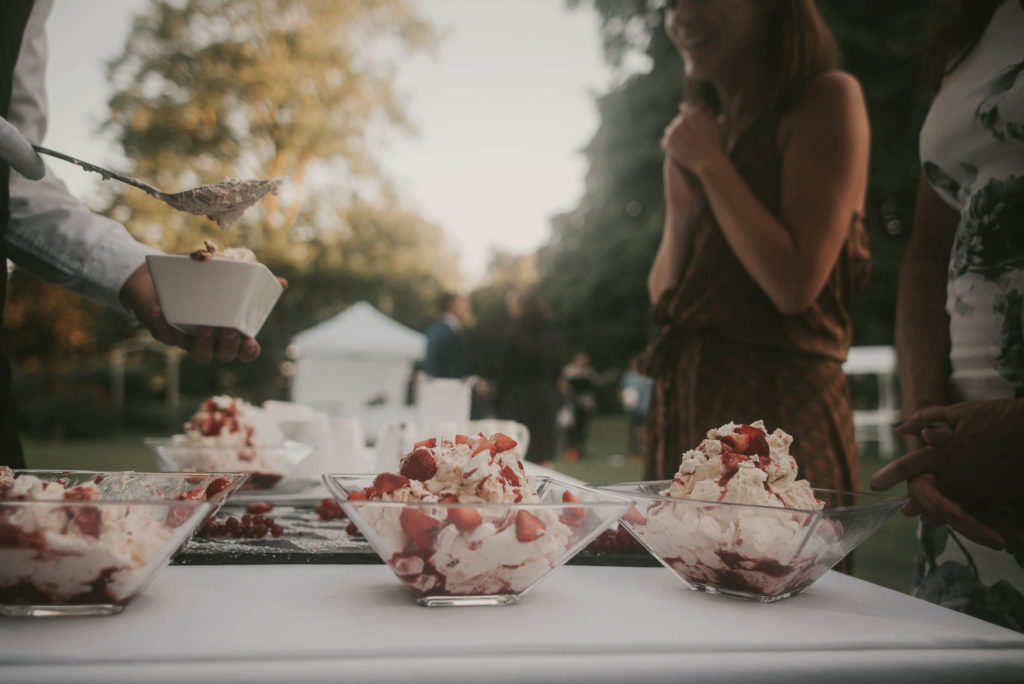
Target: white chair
[(443, 399)]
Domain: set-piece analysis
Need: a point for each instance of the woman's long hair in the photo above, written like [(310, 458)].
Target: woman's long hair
[(799, 45)]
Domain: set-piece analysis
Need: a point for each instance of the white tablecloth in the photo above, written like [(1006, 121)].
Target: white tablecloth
[(296, 623)]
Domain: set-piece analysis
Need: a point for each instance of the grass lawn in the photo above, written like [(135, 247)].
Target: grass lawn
[(885, 559)]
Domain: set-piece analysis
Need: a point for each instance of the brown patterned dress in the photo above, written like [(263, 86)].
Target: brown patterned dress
[(725, 353)]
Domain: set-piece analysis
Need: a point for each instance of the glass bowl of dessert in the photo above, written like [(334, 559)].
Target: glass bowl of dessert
[(735, 520), (462, 524), (229, 434), (88, 543)]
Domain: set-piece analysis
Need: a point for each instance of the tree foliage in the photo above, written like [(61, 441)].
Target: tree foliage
[(301, 90)]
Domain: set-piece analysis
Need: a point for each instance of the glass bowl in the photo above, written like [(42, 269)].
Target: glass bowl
[(478, 554), (87, 550), (748, 551), (266, 464)]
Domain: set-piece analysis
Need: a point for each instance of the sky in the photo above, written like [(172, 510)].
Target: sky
[(502, 113)]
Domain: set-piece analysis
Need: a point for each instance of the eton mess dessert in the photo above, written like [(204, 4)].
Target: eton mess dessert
[(743, 522), (210, 251), (457, 550), (228, 434), (87, 544)]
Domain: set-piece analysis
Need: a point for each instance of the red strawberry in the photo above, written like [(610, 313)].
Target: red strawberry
[(634, 516), (461, 439), (503, 442), (510, 476), (429, 443), (387, 482), (528, 527), (355, 496), (573, 515), (329, 509), (88, 520), (419, 526), (483, 445), (259, 507), (758, 443), (216, 487), (739, 442), (419, 465), (465, 519)]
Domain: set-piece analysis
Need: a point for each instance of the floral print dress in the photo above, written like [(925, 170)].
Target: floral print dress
[(972, 152)]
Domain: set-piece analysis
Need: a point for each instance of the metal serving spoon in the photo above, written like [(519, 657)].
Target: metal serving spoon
[(222, 202)]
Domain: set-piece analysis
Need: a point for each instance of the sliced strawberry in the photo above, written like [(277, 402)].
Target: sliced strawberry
[(573, 515), (484, 445), (461, 439), (739, 443), (449, 498), (634, 516), (216, 487), (419, 465), (528, 527), (259, 507), (758, 443), (429, 443), (387, 482), (88, 520), (465, 519), (510, 476), (330, 509), (419, 526), (355, 496), (503, 442)]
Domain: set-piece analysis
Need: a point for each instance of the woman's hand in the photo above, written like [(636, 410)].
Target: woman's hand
[(694, 138), (969, 470)]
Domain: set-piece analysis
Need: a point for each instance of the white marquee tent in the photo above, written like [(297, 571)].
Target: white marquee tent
[(361, 357)]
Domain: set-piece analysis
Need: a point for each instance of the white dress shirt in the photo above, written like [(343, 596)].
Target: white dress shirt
[(51, 233)]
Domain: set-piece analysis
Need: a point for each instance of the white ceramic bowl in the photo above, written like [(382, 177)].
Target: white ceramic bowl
[(217, 292)]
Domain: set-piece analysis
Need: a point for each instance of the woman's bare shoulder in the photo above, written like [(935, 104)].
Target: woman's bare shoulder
[(831, 98)]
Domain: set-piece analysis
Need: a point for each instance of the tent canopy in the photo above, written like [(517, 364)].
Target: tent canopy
[(358, 362), (363, 332)]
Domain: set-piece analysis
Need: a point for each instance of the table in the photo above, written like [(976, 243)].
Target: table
[(353, 623)]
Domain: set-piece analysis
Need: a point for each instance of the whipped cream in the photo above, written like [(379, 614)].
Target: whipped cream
[(464, 550)]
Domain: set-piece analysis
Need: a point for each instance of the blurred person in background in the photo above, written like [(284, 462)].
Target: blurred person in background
[(635, 395), (579, 386), (960, 320), (54, 236), (448, 352), (529, 362), (763, 248)]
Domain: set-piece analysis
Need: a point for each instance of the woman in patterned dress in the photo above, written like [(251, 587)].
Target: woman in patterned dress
[(960, 321), (765, 176)]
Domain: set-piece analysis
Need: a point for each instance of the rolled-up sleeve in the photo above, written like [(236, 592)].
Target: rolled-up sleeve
[(51, 233)]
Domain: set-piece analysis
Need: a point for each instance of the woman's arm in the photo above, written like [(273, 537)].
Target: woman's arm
[(922, 326), (824, 144), (683, 202)]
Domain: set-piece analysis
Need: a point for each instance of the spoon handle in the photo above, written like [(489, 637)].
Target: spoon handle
[(100, 170)]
